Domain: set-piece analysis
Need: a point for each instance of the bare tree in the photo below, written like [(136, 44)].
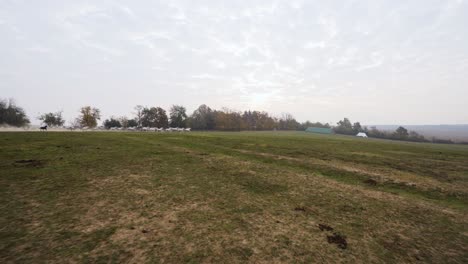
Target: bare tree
[(288, 122), (139, 114), (75, 123), (123, 121)]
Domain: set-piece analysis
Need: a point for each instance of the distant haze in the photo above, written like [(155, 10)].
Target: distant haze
[(453, 132), (377, 62)]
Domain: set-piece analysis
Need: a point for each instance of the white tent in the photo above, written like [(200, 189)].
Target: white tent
[(361, 134)]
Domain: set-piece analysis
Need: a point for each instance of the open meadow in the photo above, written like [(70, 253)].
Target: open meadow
[(260, 197)]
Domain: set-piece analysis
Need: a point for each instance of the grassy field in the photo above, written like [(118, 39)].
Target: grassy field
[(230, 198)]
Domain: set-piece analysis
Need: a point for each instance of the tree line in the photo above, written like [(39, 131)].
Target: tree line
[(206, 118), (345, 127), (203, 118)]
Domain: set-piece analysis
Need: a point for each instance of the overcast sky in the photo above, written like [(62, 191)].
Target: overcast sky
[(378, 62)]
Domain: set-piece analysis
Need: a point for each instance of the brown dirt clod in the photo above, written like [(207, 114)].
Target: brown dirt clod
[(324, 227), (338, 239), (29, 163), (370, 182), (300, 208)]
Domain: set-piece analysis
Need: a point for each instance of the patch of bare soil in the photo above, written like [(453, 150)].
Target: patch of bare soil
[(141, 191), (300, 208), (338, 239), (335, 238), (371, 182), (324, 227), (29, 163)]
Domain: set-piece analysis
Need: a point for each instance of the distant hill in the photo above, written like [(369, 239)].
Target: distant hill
[(453, 132)]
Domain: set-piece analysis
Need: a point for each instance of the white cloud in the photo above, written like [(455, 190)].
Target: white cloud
[(296, 4), (39, 49), (218, 64), (102, 48), (229, 47), (151, 35), (207, 76), (178, 14), (300, 62), (261, 100), (377, 59), (329, 25), (254, 64), (127, 11), (313, 45), (157, 68), (259, 12)]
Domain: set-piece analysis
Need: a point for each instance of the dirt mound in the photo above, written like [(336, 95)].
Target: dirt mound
[(339, 240)]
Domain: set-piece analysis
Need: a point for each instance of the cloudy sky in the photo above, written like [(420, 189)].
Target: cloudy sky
[(374, 61)]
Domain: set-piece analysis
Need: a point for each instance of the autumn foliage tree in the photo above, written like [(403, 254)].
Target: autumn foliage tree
[(228, 120), (288, 122), (89, 116), (256, 120)]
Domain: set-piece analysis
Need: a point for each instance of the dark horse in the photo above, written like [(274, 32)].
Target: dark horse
[(43, 128)]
